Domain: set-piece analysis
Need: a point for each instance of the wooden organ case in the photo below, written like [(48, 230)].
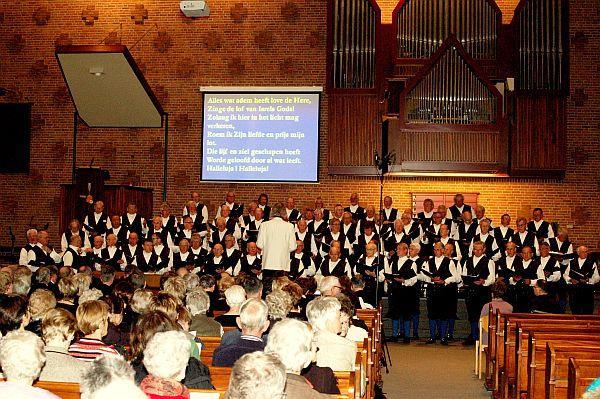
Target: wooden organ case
[(442, 74)]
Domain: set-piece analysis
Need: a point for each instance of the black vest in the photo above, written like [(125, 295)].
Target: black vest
[(246, 267), (529, 272), (542, 232), (338, 270), (100, 227), (320, 231), (456, 213), (151, 265), (466, 234), (178, 262), (503, 270), (351, 233), (297, 266), (216, 240), (424, 221), (405, 270), (129, 257), (443, 271), (210, 267), (502, 240), (529, 241), (587, 269), (113, 261), (307, 241), (135, 226), (78, 260), (489, 244), (554, 247), (360, 213), (481, 270), (41, 257), (68, 236), (392, 242), (121, 237)]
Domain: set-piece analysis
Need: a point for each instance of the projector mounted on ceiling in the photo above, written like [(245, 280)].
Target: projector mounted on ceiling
[(194, 9)]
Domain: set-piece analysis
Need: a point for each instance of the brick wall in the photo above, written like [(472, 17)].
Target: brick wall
[(199, 53)]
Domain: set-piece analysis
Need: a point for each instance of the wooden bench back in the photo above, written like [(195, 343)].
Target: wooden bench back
[(557, 365), (581, 374), (208, 349)]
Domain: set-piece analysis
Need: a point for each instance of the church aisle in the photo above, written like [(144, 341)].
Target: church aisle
[(421, 371)]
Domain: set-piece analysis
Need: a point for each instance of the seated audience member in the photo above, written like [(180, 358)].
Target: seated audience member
[(198, 303), (139, 303), (349, 329), (280, 304), (291, 341), (330, 286), (115, 336), (251, 284), (68, 290), (224, 283), (109, 377), (58, 330), (253, 321), (544, 301), (166, 358), (45, 278), (191, 281), (176, 287), (13, 313), (92, 321), (5, 283), (197, 375), (209, 284), (257, 376), (295, 292), (334, 351), (92, 294), (235, 296), (40, 302), (498, 304), (21, 358), (21, 281)]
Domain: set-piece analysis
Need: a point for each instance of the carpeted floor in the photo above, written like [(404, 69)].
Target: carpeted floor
[(421, 371)]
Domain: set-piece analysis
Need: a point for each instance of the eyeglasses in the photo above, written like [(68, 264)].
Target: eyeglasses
[(338, 287)]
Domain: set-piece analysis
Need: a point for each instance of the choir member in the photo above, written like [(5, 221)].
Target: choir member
[(245, 220), (319, 206), (525, 274), (199, 251), (413, 253), (231, 222), (581, 275), (218, 236), (455, 211), (169, 221), (147, 260), (370, 216), (430, 234), (302, 234), (263, 203), (401, 276), (236, 209), (503, 233), (450, 252), (42, 253), (132, 221), (132, 248), (231, 252), (95, 255), (74, 255), (338, 213), (446, 240), (561, 247), (550, 266), (438, 273), (466, 228), (480, 215), (159, 229), (348, 227), (357, 211), (396, 237), (334, 265), (216, 262), (365, 238), (371, 266), (74, 229), (118, 230), (292, 214), (251, 229), (97, 221), (200, 207), (250, 263), (523, 238), (186, 230), (112, 255), (199, 224), (301, 263), (539, 226), (426, 215), (318, 227), (335, 234), (184, 257), (163, 252), (32, 240), (485, 236), (477, 274)]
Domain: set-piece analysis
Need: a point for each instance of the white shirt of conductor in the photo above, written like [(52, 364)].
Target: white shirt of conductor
[(276, 239)]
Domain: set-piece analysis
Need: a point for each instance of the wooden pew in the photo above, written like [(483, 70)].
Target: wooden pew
[(209, 346), (586, 330), (516, 350), (557, 366), (219, 376), (503, 333), (64, 390), (542, 358), (581, 374)]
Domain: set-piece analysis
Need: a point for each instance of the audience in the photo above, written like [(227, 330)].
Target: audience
[(21, 358), (334, 351), (92, 322), (292, 342), (58, 329), (253, 321), (257, 376), (166, 357), (235, 296), (40, 302), (198, 303), (109, 377), (13, 313)]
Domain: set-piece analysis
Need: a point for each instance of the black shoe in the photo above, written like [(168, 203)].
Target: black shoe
[(430, 341), (449, 338), (406, 340), (437, 336), (415, 337), (469, 341), (444, 342)]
